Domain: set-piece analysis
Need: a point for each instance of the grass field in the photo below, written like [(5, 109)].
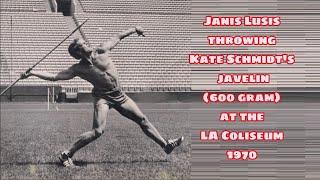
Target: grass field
[(32, 138)]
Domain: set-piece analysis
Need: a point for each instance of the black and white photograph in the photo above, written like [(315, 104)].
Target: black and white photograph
[(160, 89), (90, 90)]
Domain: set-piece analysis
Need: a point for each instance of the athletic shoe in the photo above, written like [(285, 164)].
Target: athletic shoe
[(172, 143), (65, 159)]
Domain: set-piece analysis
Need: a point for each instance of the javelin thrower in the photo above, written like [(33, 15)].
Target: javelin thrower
[(96, 67)]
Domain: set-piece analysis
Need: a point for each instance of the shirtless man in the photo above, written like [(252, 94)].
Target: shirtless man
[(96, 67)]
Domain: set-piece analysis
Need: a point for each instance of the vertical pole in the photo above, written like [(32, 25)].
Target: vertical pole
[(48, 98), (53, 101), (11, 68)]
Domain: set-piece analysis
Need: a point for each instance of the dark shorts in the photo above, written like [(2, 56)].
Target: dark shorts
[(113, 98)]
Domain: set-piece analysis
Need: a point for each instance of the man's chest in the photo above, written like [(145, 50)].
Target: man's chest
[(102, 61), (92, 71)]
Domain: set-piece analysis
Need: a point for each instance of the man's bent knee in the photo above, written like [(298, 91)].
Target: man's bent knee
[(98, 132)]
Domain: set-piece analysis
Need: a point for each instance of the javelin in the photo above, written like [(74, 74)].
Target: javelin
[(12, 84)]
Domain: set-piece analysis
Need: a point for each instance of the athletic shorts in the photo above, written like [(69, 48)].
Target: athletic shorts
[(114, 97)]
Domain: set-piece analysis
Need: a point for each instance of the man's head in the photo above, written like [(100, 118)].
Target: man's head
[(79, 49)]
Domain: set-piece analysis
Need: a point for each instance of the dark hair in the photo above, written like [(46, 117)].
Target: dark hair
[(73, 50)]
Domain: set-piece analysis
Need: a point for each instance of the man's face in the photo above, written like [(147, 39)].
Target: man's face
[(82, 48)]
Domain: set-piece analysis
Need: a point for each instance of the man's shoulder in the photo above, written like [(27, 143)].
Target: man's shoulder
[(74, 66), (78, 67), (101, 48)]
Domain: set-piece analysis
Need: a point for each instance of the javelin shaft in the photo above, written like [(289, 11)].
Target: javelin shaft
[(12, 84), (56, 46)]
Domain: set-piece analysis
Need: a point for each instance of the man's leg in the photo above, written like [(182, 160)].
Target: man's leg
[(99, 123), (130, 110)]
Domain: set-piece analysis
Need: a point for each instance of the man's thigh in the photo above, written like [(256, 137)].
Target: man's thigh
[(101, 109), (130, 110)]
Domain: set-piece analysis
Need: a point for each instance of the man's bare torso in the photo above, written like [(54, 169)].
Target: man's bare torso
[(102, 73)]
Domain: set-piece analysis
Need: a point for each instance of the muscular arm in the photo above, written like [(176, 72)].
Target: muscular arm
[(63, 75), (111, 43)]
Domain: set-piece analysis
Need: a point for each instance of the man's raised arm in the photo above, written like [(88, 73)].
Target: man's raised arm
[(62, 75), (111, 43)]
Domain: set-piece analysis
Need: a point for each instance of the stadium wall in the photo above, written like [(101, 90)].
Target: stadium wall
[(40, 94)]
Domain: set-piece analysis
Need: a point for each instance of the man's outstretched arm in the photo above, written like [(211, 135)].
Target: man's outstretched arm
[(111, 43), (63, 75)]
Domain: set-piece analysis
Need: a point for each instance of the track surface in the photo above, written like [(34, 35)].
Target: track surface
[(32, 138)]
